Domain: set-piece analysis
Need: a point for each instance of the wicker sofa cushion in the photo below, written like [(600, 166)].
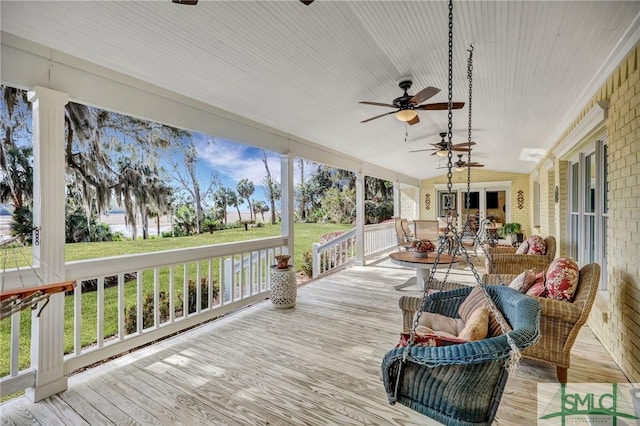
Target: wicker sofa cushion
[(523, 248), (477, 326), (524, 281), (562, 279), (537, 246)]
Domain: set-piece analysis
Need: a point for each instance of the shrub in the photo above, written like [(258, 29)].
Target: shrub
[(131, 316), (307, 263)]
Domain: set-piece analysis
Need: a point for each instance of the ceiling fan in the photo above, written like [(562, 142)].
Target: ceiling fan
[(442, 148), (461, 165), (407, 104)]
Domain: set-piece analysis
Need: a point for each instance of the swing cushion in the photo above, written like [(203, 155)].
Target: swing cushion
[(477, 326), (433, 323), (429, 340), (473, 301)]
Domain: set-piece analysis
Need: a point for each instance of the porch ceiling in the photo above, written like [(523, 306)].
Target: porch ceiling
[(303, 69)]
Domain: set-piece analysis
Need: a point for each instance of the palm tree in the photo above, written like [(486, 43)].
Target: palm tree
[(246, 188), (261, 207), (221, 200), (233, 200)]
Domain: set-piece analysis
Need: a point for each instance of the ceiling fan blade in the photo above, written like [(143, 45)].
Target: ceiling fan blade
[(421, 150), (424, 94), (377, 104), (464, 144), (453, 148), (414, 120), (378, 116), (439, 106)]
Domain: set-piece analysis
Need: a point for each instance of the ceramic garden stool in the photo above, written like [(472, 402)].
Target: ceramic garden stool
[(283, 287)]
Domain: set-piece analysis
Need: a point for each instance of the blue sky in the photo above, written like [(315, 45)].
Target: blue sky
[(234, 161)]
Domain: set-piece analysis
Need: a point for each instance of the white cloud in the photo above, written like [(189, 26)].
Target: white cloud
[(236, 161)]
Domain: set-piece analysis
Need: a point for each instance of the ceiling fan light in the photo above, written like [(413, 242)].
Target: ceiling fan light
[(442, 153), (460, 169), (406, 115)]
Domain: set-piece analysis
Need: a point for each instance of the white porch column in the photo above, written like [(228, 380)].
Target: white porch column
[(397, 207), (360, 219), (47, 331), (286, 199)]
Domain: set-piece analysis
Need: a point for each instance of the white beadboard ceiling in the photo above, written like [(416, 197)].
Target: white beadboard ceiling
[(303, 69)]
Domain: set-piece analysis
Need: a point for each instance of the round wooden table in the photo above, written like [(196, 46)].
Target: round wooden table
[(422, 265)]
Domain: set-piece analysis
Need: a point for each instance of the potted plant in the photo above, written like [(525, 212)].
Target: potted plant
[(511, 230), (422, 248)]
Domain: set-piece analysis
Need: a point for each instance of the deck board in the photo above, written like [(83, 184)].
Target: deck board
[(315, 364)]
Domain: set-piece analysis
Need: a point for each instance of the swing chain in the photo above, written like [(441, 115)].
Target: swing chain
[(467, 225), (449, 226)]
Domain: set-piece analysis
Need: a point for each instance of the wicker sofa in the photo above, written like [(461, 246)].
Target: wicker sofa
[(504, 260), (560, 321)]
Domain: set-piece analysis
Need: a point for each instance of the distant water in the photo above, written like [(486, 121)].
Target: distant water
[(116, 222)]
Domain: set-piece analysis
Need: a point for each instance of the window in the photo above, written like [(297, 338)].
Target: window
[(536, 203), (588, 208)]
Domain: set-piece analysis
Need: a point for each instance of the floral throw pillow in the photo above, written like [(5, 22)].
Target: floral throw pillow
[(536, 245), (524, 248), (562, 279)]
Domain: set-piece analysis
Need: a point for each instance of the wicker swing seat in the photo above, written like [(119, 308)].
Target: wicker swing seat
[(461, 384)]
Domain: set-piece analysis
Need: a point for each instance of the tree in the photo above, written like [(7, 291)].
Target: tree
[(16, 152), (189, 182), (223, 198), (246, 188), (339, 205), (273, 188), (233, 200), (261, 207), (185, 220)]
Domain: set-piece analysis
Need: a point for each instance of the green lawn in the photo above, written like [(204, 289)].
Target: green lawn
[(305, 235)]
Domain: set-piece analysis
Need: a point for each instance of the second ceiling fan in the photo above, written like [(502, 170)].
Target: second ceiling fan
[(406, 106), (442, 148)]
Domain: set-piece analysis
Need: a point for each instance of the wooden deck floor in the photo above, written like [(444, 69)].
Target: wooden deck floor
[(316, 364)]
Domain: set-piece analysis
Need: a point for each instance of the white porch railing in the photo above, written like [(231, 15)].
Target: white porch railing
[(152, 295), (341, 251), (378, 238)]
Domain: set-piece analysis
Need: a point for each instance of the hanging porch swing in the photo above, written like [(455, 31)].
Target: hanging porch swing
[(461, 384)]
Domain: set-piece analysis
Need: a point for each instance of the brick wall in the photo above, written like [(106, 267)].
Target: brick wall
[(615, 318), (408, 200)]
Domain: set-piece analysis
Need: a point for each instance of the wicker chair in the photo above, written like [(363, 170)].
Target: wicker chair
[(560, 321), (504, 260)]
